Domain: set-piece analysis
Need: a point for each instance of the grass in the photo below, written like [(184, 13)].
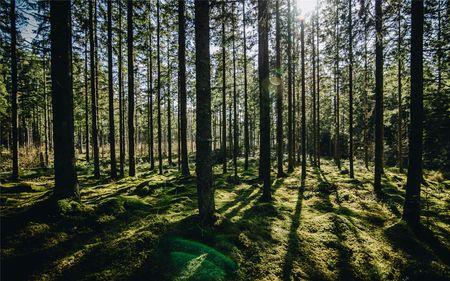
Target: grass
[(145, 228)]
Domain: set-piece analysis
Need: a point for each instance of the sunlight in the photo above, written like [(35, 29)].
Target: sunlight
[(305, 7)]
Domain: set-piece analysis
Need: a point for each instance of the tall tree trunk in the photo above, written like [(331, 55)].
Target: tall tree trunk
[(93, 91), (224, 92), (303, 132), (151, 155), (399, 89), (337, 145), (350, 88), (169, 107), (66, 184), (158, 58), (318, 137), (14, 119), (411, 211), (46, 117), (246, 118), (121, 99), (205, 187), (235, 121), (86, 96), (264, 99), (314, 127), (131, 142), (182, 86), (280, 172), (365, 94), (378, 97), (112, 135), (289, 94)]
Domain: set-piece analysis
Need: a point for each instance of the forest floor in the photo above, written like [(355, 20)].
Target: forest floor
[(145, 228)]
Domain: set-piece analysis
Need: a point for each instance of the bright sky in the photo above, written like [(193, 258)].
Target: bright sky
[(306, 6)]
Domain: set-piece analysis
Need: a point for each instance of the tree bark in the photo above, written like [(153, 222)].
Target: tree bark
[(411, 211), (131, 142), (14, 118), (205, 188), (121, 99), (66, 184), (235, 121), (224, 92), (279, 104), (264, 98), (246, 119), (182, 86), (350, 90), (303, 120), (289, 94), (158, 35), (112, 135)]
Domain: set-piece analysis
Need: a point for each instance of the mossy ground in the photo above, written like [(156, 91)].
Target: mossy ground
[(145, 228)]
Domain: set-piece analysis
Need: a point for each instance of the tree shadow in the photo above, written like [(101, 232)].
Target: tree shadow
[(293, 240)]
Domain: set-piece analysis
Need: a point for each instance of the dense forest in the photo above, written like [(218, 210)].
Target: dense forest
[(225, 139)]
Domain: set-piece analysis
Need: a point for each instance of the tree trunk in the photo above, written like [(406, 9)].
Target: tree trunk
[(224, 92), (235, 121), (289, 94), (169, 107), (151, 155), (264, 98), (314, 127), (66, 184), (280, 172), (411, 211), (14, 119), (205, 187), (131, 142), (318, 137), (399, 89), (378, 98), (337, 146), (93, 91), (182, 86), (158, 58), (121, 99), (350, 88), (112, 135), (303, 132), (246, 119)]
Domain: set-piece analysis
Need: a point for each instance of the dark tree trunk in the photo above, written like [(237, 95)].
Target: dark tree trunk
[(337, 145), (280, 172), (289, 94), (15, 141), (411, 211), (93, 91), (86, 97), (318, 90), (399, 89), (350, 88), (378, 98), (224, 92), (314, 127), (131, 142), (246, 119), (46, 117), (366, 85), (158, 58), (112, 135), (264, 99), (235, 121), (66, 184), (205, 187), (169, 108), (151, 154), (182, 86), (303, 132), (121, 100)]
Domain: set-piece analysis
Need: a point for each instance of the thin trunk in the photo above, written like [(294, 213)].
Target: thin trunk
[(411, 211), (279, 93), (151, 155), (246, 119), (169, 107), (399, 88), (289, 94), (158, 58), (337, 146), (365, 94), (86, 97), (264, 98), (205, 188), (350, 90), (93, 91), (224, 99), (131, 142), (314, 127), (318, 137), (303, 132), (66, 183), (46, 117), (14, 119), (378, 98), (121, 99), (182, 86), (112, 135), (235, 121)]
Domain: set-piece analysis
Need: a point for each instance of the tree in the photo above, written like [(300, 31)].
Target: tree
[(182, 86), (14, 133), (289, 94), (303, 119), (86, 96), (205, 187), (350, 87), (151, 154), (66, 184), (378, 97), (279, 92), (93, 74), (112, 135), (399, 89), (246, 119), (131, 158), (235, 121), (224, 91), (264, 99), (158, 59), (411, 211), (121, 98)]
